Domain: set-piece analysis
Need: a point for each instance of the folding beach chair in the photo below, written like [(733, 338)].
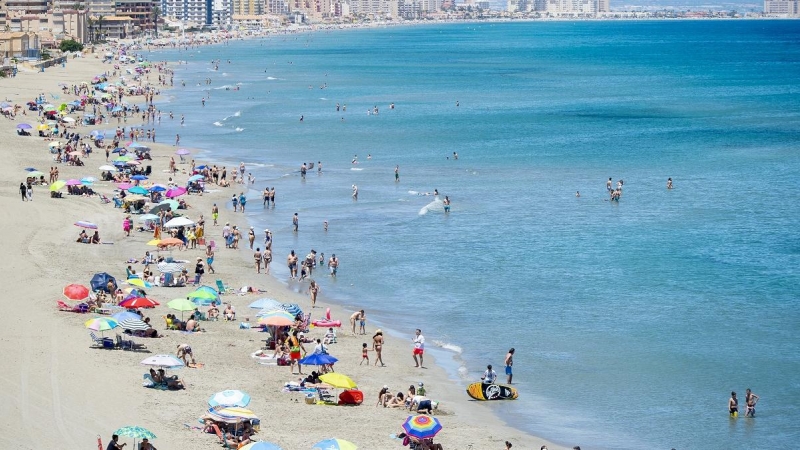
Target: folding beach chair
[(101, 342), (224, 289), (104, 199), (117, 203)]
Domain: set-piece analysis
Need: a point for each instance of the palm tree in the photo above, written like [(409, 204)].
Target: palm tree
[(100, 26), (91, 29), (156, 12)]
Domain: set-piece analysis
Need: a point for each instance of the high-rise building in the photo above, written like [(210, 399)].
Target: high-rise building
[(27, 6), (248, 7), (141, 11), (782, 7), (572, 7)]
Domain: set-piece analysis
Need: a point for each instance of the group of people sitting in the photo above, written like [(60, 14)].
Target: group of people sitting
[(80, 190), (234, 435), (229, 313), (171, 382), (192, 324), (84, 237), (414, 400)]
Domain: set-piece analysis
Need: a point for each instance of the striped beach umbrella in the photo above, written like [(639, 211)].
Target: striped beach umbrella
[(260, 445), (292, 308), (229, 398), (334, 444), (265, 303), (101, 324), (134, 325), (276, 318)]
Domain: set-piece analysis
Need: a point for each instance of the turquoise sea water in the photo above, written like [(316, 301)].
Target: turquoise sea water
[(632, 321)]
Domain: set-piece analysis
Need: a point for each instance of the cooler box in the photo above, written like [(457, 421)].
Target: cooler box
[(310, 400), (351, 397)]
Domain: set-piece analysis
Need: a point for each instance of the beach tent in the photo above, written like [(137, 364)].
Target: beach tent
[(100, 282)]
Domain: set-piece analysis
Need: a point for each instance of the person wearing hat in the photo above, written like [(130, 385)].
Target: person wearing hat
[(267, 238), (421, 388), (199, 270), (384, 396)]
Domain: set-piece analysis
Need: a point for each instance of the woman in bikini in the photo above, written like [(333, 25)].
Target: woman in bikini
[(377, 345)]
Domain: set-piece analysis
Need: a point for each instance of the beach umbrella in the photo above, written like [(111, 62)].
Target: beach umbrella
[(68, 119), (57, 185), (169, 242), (182, 152), (42, 127), (421, 426), (195, 178), (100, 282), (133, 163), (134, 325), (85, 224), (179, 222), (101, 324), (204, 295), (276, 318), (201, 167), (24, 126), (233, 412), (173, 267), (138, 190), (292, 308), (125, 315), (75, 291), (260, 445), (176, 192), (148, 218), (229, 398), (30, 169), (158, 208), (338, 380), (124, 186), (318, 359), (334, 444), (182, 305), (73, 182), (136, 197), (139, 302), (138, 282), (173, 204), (138, 145), (135, 432), (265, 303), (34, 173), (88, 180), (106, 167), (123, 158), (53, 144), (139, 177), (158, 188), (166, 361)]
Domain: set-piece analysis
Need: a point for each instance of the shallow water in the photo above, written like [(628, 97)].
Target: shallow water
[(632, 321)]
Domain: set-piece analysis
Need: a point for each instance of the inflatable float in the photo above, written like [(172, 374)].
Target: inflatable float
[(327, 322)]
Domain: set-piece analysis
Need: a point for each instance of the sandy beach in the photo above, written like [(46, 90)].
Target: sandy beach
[(60, 393)]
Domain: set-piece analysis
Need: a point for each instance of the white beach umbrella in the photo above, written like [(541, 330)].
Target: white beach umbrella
[(163, 361), (179, 222)]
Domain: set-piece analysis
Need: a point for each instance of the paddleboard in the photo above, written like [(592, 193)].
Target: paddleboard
[(483, 391)]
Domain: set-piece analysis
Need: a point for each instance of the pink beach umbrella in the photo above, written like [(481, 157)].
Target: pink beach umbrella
[(176, 192), (124, 186), (183, 151), (74, 182)]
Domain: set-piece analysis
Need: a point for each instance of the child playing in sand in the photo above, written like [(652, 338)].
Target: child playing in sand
[(364, 354)]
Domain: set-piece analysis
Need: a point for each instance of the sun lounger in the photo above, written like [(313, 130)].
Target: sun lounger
[(101, 342), (79, 308), (325, 396), (129, 344)]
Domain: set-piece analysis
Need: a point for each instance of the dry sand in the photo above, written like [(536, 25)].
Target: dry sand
[(59, 393)]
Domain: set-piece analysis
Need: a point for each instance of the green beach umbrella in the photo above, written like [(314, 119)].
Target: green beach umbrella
[(181, 304), (58, 185), (123, 159), (202, 293), (173, 205), (34, 173), (135, 432)]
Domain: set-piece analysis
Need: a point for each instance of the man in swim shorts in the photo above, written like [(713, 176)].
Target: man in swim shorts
[(419, 347), (733, 405), (509, 363)]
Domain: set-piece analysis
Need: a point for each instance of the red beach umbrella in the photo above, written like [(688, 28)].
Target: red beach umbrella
[(76, 291), (139, 302)]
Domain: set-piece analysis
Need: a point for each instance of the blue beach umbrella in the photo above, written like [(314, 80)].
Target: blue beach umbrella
[(158, 188), (100, 281), (318, 359), (265, 303), (195, 177), (334, 444), (139, 177), (201, 167), (88, 180), (30, 169), (292, 308), (24, 126), (229, 398), (138, 190), (125, 315)]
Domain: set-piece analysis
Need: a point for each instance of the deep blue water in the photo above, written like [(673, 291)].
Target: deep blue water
[(632, 321)]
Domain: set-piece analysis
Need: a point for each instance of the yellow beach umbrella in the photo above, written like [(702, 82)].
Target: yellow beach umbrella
[(42, 127), (58, 185), (338, 380), (154, 242)]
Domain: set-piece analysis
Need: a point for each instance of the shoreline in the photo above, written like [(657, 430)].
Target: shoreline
[(128, 399), (338, 305)]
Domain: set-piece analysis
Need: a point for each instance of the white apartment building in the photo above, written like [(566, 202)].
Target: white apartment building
[(572, 7), (280, 7), (375, 8), (190, 12), (782, 7)]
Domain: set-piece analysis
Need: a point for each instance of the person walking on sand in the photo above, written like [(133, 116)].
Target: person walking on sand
[(251, 237), (267, 260), (198, 271), (509, 362), (258, 257), (364, 354), (242, 201), (295, 346), (210, 258), (126, 226), (23, 190), (215, 213), (419, 347), (313, 290), (377, 345)]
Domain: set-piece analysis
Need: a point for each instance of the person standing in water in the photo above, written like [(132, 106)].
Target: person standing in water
[(396, 173), (446, 203), (295, 222), (733, 405), (609, 184), (750, 399), (355, 192), (669, 183), (509, 362)]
